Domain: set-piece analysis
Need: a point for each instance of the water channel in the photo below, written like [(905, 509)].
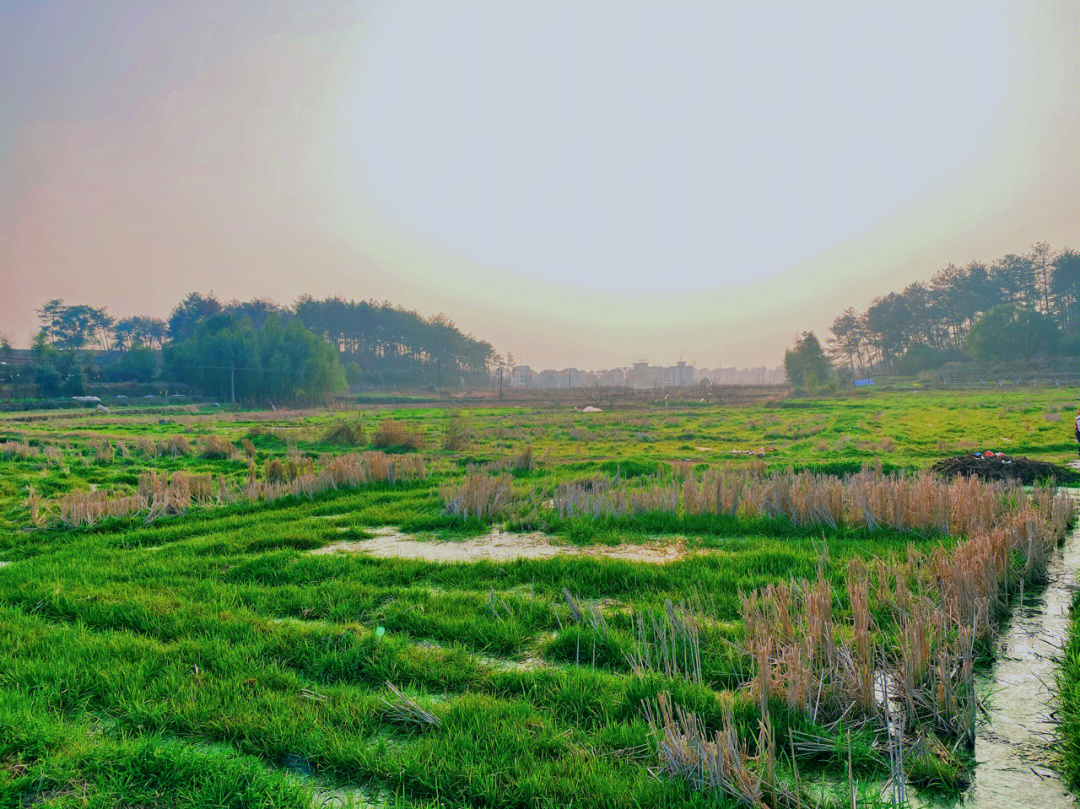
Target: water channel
[(1014, 741)]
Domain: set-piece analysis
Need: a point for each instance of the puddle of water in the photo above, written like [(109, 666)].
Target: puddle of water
[(498, 546), (505, 664), (330, 796), (1013, 743), (308, 623), (344, 798)]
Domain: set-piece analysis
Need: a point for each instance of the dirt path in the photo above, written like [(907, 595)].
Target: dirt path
[(499, 546)]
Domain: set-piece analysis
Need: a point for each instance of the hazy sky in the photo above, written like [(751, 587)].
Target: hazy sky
[(579, 183)]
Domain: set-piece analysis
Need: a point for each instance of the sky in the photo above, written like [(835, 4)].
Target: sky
[(581, 184)]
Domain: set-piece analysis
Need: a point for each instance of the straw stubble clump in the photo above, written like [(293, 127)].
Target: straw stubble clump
[(160, 493), (215, 446), (344, 434), (477, 495), (17, 450), (870, 500), (719, 762), (392, 434), (918, 673), (945, 605)]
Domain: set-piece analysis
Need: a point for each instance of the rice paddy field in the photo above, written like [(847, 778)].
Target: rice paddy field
[(685, 605)]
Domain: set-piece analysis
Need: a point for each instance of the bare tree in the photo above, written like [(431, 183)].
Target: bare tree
[(707, 390), (615, 393), (594, 394)]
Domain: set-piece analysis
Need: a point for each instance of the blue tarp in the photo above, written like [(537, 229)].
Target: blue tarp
[(861, 383)]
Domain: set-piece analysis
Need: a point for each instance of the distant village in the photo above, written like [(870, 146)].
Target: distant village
[(643, 375)]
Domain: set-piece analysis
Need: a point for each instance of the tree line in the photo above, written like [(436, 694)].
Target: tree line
[(1017, 307), (256, 350), (397, 345), (228, 357)]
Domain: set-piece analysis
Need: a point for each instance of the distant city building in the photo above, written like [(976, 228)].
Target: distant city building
[(612, 378), (638, 375), (564, 378), (547, 378), (680, 375), (742, 376), (522, 377), (641, 375)]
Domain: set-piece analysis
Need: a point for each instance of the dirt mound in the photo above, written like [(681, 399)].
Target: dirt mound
[(1003, 467)]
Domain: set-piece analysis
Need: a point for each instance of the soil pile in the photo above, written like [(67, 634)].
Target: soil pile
[(1003, 467)]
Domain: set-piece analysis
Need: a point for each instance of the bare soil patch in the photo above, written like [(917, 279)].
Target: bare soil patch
[(499, 546)]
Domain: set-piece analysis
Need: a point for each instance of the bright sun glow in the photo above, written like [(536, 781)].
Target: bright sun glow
[(644, 149)]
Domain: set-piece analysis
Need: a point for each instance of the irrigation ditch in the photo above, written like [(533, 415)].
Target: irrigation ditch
[(1015, 735)]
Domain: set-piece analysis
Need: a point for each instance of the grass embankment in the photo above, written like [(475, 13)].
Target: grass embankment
[(1068, 683)]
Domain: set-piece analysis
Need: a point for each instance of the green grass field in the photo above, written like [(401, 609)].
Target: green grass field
[(209, 658)]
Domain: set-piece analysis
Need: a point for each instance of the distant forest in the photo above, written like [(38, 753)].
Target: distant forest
[(252, 350), (1018, 307), (396, 346)]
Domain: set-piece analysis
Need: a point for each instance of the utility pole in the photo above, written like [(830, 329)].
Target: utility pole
[(232, 382), (500, 381)]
